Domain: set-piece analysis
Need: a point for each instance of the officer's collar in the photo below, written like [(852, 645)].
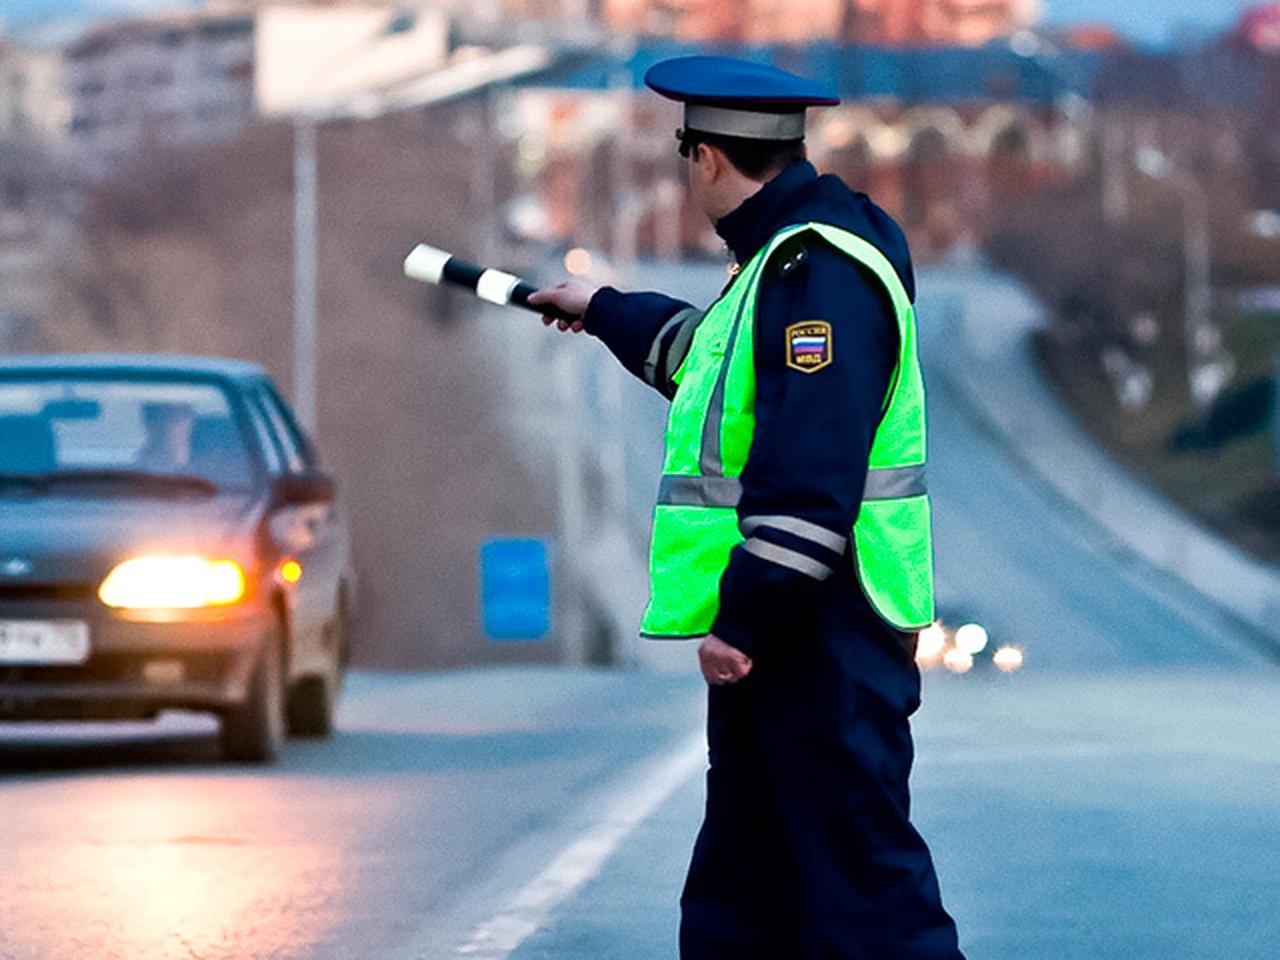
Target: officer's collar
[(761, 215)]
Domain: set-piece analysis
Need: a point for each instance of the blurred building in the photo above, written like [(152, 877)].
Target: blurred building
[(181, 79), (1210, 110), (203, 76), (33, 100), (310, 56), (966, 23), (1092, 36), (1260, 27), (940, 136), (880, 22)]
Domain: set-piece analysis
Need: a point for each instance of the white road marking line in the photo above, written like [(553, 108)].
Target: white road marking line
[(499, 937)]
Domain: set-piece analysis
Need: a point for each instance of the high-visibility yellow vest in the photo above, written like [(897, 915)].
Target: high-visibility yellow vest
[(709, 432)]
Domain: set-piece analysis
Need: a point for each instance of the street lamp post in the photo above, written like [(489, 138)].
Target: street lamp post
[(305, 270), (1203, 337), (1208, 368), (306, 122)]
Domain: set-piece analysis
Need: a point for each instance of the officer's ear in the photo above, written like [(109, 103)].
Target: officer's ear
[(714, 160)]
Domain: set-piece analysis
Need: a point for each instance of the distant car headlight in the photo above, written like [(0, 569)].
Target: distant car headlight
[(173, 583), (931, 643), (972, 638), (957, 660), (1008, 659)]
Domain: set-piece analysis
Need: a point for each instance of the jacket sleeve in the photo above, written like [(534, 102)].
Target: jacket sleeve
[(649, 333), (803, 480)]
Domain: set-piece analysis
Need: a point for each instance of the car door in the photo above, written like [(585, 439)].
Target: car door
[(309, 534)]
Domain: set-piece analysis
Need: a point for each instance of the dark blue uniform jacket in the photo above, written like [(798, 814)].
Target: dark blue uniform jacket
[(813, 435)]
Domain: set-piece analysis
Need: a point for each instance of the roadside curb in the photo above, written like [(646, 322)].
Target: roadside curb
[(998, 376)]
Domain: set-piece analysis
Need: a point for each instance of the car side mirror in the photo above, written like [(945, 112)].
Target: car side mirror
[(298, 489)]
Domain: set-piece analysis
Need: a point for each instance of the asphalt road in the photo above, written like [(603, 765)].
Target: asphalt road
[(1114, 799), (439, 794)]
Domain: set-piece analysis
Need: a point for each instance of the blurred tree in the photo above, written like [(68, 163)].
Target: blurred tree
[(36, 223), (1240, 412)]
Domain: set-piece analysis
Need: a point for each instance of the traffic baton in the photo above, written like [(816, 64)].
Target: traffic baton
[(431, 265)]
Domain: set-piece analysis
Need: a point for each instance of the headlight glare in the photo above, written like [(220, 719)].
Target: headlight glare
[(173, 583)]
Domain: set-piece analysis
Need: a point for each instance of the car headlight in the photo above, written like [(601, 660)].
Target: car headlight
[(173, 583), (972, 638)]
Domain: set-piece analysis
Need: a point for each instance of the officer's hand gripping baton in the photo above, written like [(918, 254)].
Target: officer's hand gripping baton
[(431, 265)]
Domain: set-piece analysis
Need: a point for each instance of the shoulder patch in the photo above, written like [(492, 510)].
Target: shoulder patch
[(792, 254), (809, 345)]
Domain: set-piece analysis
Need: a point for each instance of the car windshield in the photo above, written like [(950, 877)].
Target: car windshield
[(130, 436)]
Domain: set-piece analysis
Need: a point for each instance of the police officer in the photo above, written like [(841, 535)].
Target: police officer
[(792, 534)]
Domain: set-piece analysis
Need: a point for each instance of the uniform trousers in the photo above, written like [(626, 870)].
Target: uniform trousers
[(807, 851)]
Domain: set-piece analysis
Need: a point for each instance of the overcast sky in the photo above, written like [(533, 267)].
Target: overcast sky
[(1148, 21)]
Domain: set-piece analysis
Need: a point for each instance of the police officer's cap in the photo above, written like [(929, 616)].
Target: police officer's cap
[(738, 98)]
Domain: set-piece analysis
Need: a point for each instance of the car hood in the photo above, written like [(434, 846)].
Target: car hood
[(61, 539)]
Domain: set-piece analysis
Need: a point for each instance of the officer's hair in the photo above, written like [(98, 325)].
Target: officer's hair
[(758, 160)]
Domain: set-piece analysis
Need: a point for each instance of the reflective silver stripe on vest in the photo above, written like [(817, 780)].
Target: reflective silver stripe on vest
[(680, 343), (677, 491), (883, 483), (798, 528), (895, 483), (690, 317), (787, 558)]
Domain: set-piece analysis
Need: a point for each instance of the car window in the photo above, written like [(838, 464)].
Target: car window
[(268, 444), (294, 458), (294, 429), (60, 426)]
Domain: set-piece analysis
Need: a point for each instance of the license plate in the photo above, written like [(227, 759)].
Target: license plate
[(44, 641)]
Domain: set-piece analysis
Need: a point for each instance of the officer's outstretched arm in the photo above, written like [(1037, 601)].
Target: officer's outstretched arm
[(649, 333)]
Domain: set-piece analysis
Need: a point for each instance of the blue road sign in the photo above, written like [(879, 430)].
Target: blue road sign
[(515, 589)]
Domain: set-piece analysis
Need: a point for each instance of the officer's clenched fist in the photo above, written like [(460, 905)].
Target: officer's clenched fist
[(720, 662)]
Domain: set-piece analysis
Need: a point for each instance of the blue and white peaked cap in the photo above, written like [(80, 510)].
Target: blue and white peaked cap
[(738, 98)]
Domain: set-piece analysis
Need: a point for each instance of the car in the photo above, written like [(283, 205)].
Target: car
[(168, 540)]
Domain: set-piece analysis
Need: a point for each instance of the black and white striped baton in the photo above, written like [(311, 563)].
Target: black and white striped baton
[(431, 265)]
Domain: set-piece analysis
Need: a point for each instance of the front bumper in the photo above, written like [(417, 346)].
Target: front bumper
[(198, 660)]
